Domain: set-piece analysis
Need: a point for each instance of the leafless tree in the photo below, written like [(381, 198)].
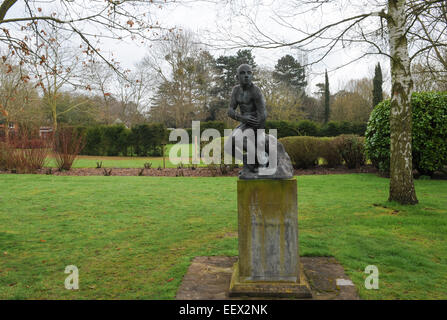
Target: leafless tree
[(133, 95), (184, 77), (282, 101), (89, 21), (101, 79), (57, 67), (19, 100)]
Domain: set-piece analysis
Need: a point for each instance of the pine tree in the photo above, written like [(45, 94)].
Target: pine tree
[(290, 72), (377, 86), (327, 94)]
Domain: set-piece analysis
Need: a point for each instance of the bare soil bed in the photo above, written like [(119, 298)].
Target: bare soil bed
[(189, 172)]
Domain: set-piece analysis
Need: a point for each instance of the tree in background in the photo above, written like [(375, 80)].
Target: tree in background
[(354, 102), (101, 79), (377, 93), (282, 101), (185, 75), (290, 72), (430, 75), (349, 106), (19, 101), (60, 71), (285, 98), (205, 74), (312, 108), (327, 97)]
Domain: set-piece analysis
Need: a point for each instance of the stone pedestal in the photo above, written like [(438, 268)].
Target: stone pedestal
[(268, 263)]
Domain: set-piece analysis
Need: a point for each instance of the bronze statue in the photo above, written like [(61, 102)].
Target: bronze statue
[(247, 142)]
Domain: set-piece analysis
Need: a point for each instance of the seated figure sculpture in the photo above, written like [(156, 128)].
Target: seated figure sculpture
[(247, 142)]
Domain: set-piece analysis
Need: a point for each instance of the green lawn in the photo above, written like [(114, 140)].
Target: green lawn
[(115, 162), (134, 237), (124, 162)]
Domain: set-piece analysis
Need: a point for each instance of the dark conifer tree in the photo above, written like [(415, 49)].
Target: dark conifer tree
[(377, 86), (327, 95)]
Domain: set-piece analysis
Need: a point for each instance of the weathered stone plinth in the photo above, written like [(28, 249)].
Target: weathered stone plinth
[(268, 241)]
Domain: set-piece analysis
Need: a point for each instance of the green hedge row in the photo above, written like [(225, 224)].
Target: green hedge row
[(310, 128), (429, 133), (147, 139), (117, 140), (299, 128), (305, 152)]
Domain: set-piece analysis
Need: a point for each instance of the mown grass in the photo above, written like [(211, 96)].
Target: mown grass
[(123, 162), (134, 237)]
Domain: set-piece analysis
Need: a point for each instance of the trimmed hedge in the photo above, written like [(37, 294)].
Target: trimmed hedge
[(305, 152), (310, 128), (297, 128), (115, 140), (429, 133), (147, 139), (333, 129), (218, 125), (329, 152), (352, 149)]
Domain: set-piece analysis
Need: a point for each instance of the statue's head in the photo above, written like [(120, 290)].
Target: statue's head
[(244, 74)]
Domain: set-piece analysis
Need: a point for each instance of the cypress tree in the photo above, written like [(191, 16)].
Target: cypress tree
[(326, 99), (377, 86)]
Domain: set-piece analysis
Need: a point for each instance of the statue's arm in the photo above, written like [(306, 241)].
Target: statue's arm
[(233, 105), (261, 110)]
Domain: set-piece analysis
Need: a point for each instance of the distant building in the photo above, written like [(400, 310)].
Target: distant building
[(12, 128), (45, 132)]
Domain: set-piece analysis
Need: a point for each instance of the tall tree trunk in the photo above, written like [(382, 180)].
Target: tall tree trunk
[(6, 124), (327, 97), (401, 168), (54, 115)]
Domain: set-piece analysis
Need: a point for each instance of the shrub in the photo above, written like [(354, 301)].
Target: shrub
[(218, 125), (352, 149), (3, 155), (35, 153), (330, 129), (115, 140), (23, 154), (329, 151), (334, 128), (308, 128), (93, 141), (284, 128), (377, 137), (429, 133), (147, 139), (223, 168), (358, 128), (303, 151), (68, 143)]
